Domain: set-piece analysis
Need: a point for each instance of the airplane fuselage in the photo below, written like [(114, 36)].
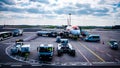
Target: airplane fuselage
[(74, 30)]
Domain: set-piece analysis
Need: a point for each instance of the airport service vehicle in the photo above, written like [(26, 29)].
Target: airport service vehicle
[(113, 44), (45, 51), (47, 33), (19, 47), (53, 34), (65, 47), (25, 48), (16, 48), (84, 33), (17, 32), (58, 39), (92, 38), (5, 35)]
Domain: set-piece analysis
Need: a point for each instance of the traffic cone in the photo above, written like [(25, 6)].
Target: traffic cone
[(103, 42)]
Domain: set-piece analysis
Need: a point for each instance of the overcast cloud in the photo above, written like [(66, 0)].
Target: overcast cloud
[(54, 12)]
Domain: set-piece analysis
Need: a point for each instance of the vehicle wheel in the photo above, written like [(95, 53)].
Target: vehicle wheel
[(49, 35), (39, 34), (98, 41), (73, 52), (1, 38), (59, 53), (21, 34)]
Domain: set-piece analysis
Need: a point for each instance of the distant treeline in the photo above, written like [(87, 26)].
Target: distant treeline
[(60, 27)]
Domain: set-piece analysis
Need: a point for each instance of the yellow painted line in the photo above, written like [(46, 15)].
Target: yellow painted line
[(93, 53), (82, 54)]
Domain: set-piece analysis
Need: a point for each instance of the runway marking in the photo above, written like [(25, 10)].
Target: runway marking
[(108, 55), (117, 60), (92, 52), (18, 58), (16, 65), (36, 65), (82, 54)]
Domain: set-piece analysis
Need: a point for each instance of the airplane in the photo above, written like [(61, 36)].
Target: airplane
[(72, 29)]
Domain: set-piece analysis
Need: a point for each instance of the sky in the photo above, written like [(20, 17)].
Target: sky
[(55, 12)]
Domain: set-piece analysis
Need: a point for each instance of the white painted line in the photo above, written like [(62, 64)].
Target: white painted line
[(83, 63), (64, 64), (18, 58), (117, 60), (108, 55), (36, 65), (92, 52), (73, 64), (82, 55), (9, 43), (16, 65), (30, 37)]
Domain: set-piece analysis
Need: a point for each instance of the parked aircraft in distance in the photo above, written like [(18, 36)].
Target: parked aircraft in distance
[(72, 29)]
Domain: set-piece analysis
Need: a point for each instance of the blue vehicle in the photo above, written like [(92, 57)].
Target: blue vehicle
[(113, 44), (17, 32), (84, 33), (45, 51), (19, 47), (47, 33), (92, 38), (14, 50), (58, 39)]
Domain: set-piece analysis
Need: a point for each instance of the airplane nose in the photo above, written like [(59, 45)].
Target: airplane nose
[(76, 32)]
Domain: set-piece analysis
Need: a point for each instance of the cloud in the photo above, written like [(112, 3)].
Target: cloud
[(41, 1), (9, 2), (83, 12), (34, 10), (65, 10), (50, 16), (101, 10), (116, 5), (86, 9), (3, 8), (11, 9), (78, 5), (100, 14), (58, 9), (102, 2)]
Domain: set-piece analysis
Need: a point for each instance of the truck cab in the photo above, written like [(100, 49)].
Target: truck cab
[(92, 38), (45, 51)]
